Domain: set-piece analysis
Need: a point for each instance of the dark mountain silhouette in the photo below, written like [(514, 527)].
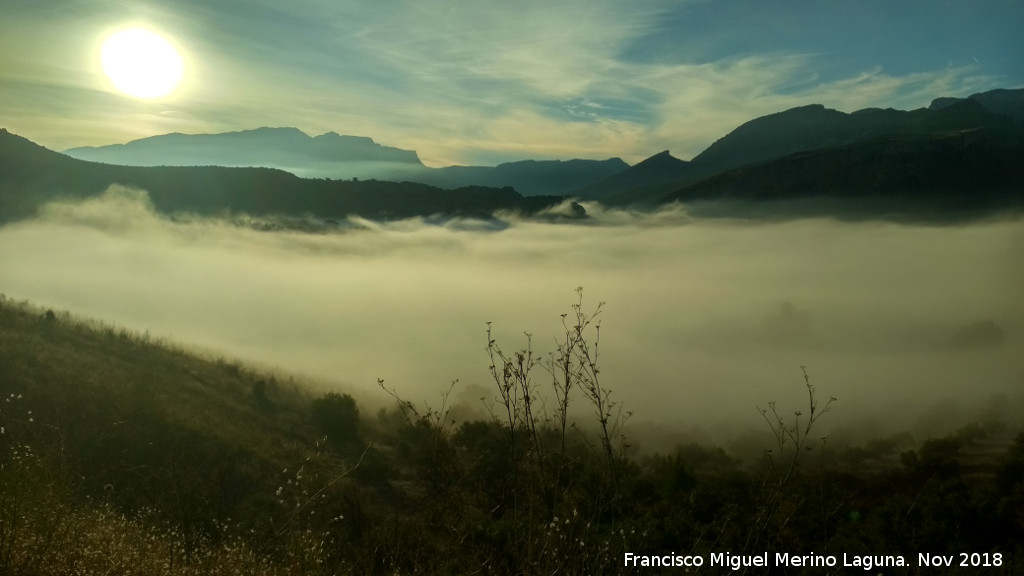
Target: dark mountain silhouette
[(31, 175), (813, 127), (344, 157), (815, 152), (944, 176), (773, 136), (527, 176), (1009, 103), (643, 183)]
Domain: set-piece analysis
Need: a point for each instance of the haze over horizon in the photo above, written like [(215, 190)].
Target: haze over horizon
[(485, 83)]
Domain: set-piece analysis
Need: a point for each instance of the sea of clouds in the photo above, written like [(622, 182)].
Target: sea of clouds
[(911, 327)]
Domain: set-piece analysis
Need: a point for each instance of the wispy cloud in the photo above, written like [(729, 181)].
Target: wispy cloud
[(482, 82), (704, 102), (476, 82)]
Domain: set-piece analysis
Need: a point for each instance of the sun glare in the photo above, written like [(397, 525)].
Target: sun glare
[(141, 63)]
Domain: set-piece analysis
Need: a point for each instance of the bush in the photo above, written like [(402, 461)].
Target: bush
[(337, 416)]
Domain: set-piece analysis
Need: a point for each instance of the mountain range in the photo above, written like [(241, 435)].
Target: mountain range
[(328, 155), (335, 156), (31, 176), (958, 158), (815, 152)]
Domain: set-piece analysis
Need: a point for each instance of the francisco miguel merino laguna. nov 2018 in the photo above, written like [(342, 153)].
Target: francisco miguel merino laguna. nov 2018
[(763, 560)]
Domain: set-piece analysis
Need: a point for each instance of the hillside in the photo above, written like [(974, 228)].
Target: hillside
[(120, 451), (114, 417), (31, 175), (945, 176)]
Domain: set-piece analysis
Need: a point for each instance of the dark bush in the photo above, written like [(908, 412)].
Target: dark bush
[(337, 416)]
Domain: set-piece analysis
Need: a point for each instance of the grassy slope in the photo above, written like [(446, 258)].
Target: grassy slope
[(102, 421), (87, 378)]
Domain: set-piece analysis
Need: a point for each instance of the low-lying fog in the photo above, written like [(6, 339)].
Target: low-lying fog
[(907, 325)]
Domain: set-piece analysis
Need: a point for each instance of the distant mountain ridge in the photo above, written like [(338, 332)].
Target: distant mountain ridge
[(643, 183), (529, 177), (265, 147), (335, 156), (31, 176)]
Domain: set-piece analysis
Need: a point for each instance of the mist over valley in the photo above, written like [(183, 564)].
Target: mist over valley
[(704, 319)]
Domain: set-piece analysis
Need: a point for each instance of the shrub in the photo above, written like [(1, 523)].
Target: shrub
[(337, 416)]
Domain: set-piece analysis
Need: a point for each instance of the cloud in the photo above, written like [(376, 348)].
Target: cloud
[(470, 82), (481, 83), (704, 102), (703, 319)]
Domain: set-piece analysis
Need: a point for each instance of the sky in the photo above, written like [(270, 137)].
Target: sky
[(476, 82)]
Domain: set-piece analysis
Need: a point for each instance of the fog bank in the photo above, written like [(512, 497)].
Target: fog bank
[(703, 319)]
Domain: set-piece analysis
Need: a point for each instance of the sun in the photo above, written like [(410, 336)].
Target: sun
[(141, 63)]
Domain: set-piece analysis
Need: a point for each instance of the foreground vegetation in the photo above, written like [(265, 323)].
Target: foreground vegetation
[(120, 454)]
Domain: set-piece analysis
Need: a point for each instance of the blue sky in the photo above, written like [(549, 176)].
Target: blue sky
[(475, 82)]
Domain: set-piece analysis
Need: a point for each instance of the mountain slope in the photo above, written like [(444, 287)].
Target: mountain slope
[(947, 176), (643, 182), (814, 127)]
